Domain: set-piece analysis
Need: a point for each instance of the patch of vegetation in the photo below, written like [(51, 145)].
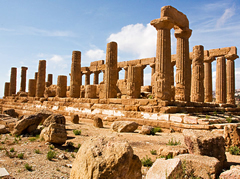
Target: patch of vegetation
[(51, 147), (12, 150), (10, 154), (37, 151), (70, 144), (207, 117), (153, 152), (173, 142), (147, 161), (215, 113), (229, 119), (234, 150), (20, 155), (72, 155), (78, 147), (32, 139), (77, 132), (2, 148), (155, 130), (169, 156), (28, 167), (67, 150), (51, 154)]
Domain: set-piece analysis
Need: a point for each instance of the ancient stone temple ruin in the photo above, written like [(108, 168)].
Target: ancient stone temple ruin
[(186, 90)]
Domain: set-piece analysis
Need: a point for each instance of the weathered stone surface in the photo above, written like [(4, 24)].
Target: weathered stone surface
[(41, 78), (23, 79), (6, 89), (76, 76), (31, 87), (74, 118), (54, 133), (104, 157), (97, 122), (50, 91), (55, 119), (233, 173), (221, 94), (3, 129), (27, 124), (8, 121), (200, 142), (61, 86), (200, 166), (124, 126), (166, 150), (171, 168), (13, 81), (231, 136), (11, 112), (146, 130)]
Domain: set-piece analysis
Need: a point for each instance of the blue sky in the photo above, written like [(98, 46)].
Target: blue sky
[(51, 30)]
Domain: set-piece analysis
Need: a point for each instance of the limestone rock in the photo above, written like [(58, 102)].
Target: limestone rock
[(105, 157), (74, 118), (231, 136), (8, 121), (166, 150), (54, 133), (233, 173), (200, 142), (3, 129), (56, 119), (200, 166), (97, 122), (124, 126), (146, 130), (171, 168), (50, 91), (11, 112), (28, 124)]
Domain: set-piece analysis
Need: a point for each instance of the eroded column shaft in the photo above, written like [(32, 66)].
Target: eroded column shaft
[(76, 75), (13, 81), (96, 77), (134, 81), (87, 78), (6, 89), (62, 86), (23, 79), (31, 87), (49, 80), (41, 78), (230, 81), (221, 80), (208, 81)]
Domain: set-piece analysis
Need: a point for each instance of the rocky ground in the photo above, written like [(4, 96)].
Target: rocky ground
[(35, 151)]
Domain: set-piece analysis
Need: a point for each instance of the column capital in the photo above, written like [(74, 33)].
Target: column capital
[(152, 65), (119, 69), (231, 56), (162, 23), (183, 33), (208, 59), (97, 72), (24, 68), (125, 68), (142, 66)]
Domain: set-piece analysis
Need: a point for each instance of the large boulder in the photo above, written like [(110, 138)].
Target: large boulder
[(168, 169), (54, 133), (97, 122), (3, 129), (105, 157), (231, 136), (200, 166), (233, 173), (45, 114), (146, 130), (11, 112), (200, 142), (124, 126), (167, 150), (74, 118), (27, 124), (55, 119)]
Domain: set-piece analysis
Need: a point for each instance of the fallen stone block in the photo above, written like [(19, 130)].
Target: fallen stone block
[(124, 126), (166, 150), (97, 122), (233, 173)]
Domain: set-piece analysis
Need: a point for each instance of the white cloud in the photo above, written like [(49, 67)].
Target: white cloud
[(229, 12), (56, 58), (97, 54), (136, 39)]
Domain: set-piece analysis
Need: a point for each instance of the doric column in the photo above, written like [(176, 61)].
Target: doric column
[(126, 72), (141, 75), (172, 73), (13, 81), (23, 79), (87, 78), (49, 79), (152, 65), (41, 78), (208, 79), (197, 88), (36, 78), (221, 80), (96, 77), (162, 86), (183, 65), (31, 87), (62, 86), (134, 82), (111, 71), (6, 89), (231, 78), (76, 77)]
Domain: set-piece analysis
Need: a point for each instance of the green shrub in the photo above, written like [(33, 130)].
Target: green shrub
[(51, 154), (73, 156), (32, 139), (20, 155), (169, 156), (234, 150), (171, 142), (77, 132), (155, 130), (78, 147), (28, 167), (12, 150), (70, 144), (229, 119), (146, 162), (51, 147), (37, 151), (153, 152)]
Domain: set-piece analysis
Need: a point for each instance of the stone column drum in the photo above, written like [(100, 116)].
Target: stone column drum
[(96, 77), (87, 78), (208, 79), (62, 86), (76, 75), (23, 79), (111, 71), (126, 72), (197, 89), (31, 87), (36, 77), (152, 65), (41, 78), (6, 89), (134, 83), (13, 81), (162, 82), (221, 80), (231, 78), (49, 80), (183, 66)]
